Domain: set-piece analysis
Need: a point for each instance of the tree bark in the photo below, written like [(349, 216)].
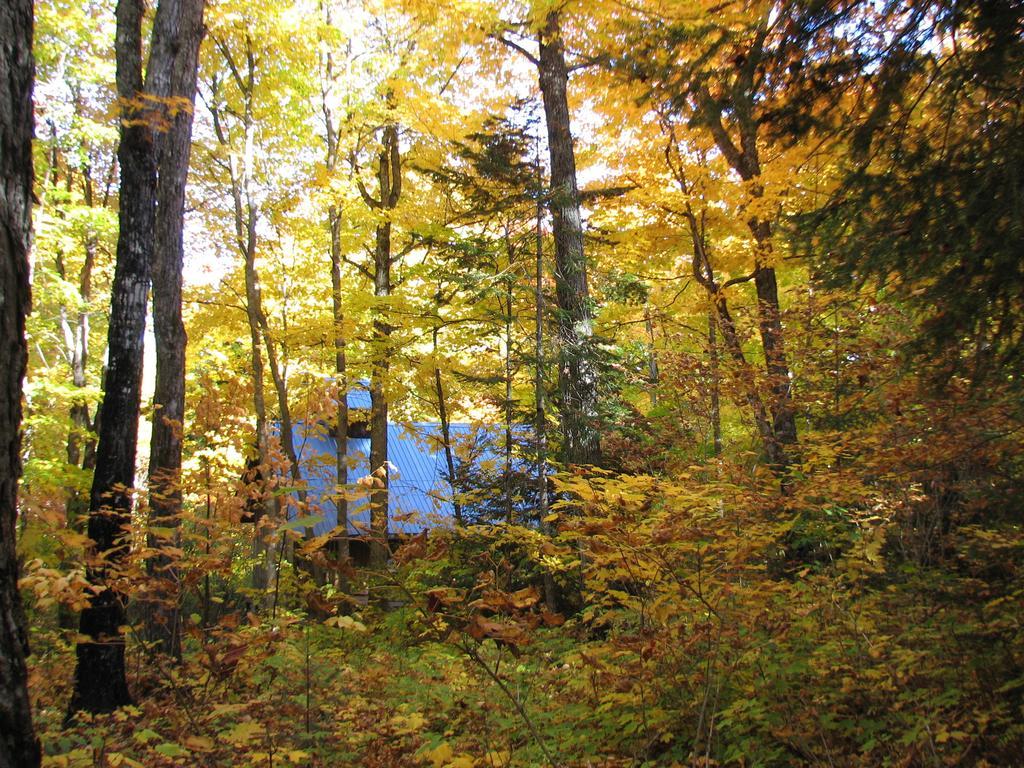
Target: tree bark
[(379, 497), (184, 27), (389, 184), (652, 359), (577, 375), (716, 387), (540, 415), (509, 508), (100, 683), (341, 371), (446, 429), (338, 307), (773, 342), (18, 744)]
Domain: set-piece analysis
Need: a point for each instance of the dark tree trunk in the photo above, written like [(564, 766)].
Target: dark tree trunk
[(277, 375), (577, 376), (540, 415), (509, 509), (341, 370), (18, 744), (100, 684), (720, 317), (652, 359), (389, 184), (772, 341), (169, 329), (378, 401), (716, 386), (446, 430)]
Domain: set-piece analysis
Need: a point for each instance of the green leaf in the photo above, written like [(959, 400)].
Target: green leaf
[(172, 750), (300, 523)]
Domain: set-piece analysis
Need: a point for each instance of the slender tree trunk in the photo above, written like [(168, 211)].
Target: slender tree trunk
[(509, 511), (742, 156), (341, 371), (652, 359), (81, 445), (540, 416), (246, 215), (577, 375), (169, 329), (379, 498), (18, 744), (100, 683), (446, 432), (277, 375), (720, 316), (389, 183), (337, 299), (716, 386)]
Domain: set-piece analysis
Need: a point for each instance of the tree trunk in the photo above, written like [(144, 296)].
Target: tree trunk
[(704, 274), (716, 387), (100, 684), (742, 156), (577, 376), (379, 500), (540, 417), (246, 215), (340, 363), (652, 359), (18, 744), (169, 329), (769, 317), (81, 445), (509, 509), (446, 430), (389, 182), (340, 369)]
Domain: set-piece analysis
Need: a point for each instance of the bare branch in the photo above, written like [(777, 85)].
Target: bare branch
[(517, 47)]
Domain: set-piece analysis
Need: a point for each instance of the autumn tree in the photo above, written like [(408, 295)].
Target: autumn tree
[(100, 683), (930, 184), (75, 231), (239, 88), (723, 75), (577, 371), (388, 169), (172, 148), (488, 262), (332, 158)]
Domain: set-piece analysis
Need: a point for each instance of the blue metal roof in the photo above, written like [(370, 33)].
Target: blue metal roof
[(419, 496), (359, 396)]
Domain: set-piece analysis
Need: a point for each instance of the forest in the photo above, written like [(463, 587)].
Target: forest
[(503, 383)]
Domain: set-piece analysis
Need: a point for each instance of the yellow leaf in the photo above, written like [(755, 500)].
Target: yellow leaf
[(242, 732), (440, 755), (408, 723)]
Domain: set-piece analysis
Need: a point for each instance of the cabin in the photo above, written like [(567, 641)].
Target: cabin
[(420, 495)]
